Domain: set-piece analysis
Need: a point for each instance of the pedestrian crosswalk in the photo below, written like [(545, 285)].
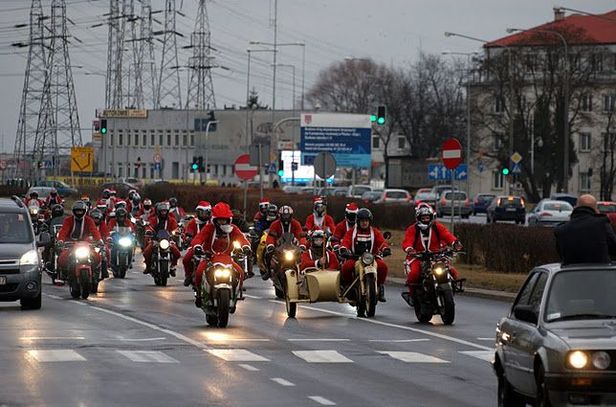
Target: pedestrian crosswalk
[(243, 356)]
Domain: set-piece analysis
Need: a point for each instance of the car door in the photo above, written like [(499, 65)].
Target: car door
[(510, 330)]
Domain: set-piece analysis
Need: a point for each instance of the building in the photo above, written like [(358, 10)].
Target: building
[(518, 95)]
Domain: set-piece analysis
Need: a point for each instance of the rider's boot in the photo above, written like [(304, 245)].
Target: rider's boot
[(382, 293), (172, 271), (187, 280), (198, 301)]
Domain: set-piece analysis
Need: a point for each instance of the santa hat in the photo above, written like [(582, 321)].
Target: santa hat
[(204, 205), (264, 201), (351, 208), (317, 199)]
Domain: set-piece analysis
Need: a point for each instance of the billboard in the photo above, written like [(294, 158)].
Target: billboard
[(303, 173), (346, 136)]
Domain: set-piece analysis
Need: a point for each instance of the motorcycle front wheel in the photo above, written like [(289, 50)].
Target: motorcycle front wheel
[(371, 297), (449, 307), (423, 311), (84, 280), (223, 308), (74, 288)]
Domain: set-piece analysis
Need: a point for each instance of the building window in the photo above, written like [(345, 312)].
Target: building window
[(197, 124), (145, 140), (498, 180), (401, 143), (596, 61), (192, 139), (499, 104), (120, 139), (168, 139), (498, 141), (586, 103), (585, 181), (585, 142), (608, 102), (376, 143), (120, 170), (143, 171), (160, 140), (110, 139), (152, 140), (609, 141), (152, 171), (184, 139), (177, 139), (128, 139)]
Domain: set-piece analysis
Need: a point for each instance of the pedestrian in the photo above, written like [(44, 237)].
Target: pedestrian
[(587, 237)]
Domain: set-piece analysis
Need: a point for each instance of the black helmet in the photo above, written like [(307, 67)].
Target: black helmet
[(57, 210), (34, 194), (162, 210), (79, 209), (173, 202), (364, 213), (97, 215), (316, 238), (271, 214), (121, 213)]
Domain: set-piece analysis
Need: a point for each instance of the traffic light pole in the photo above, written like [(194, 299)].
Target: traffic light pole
[(207, 161)]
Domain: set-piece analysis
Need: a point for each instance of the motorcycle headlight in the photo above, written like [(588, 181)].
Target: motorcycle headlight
[(125, 241), (30, 258), (34, 211), (367, 258), (222, 274), (577, 359), (601, 360), (237, 245), (164, 244), (439, 270), (289, 255), (82, 252)]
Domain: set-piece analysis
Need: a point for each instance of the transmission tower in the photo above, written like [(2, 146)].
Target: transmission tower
[(58, 124), (200, 93), (34, 84), (115, 52), (145, 87), (169, 85), (131, 76)]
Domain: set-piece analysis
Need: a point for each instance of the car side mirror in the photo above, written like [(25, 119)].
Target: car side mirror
[(44, 239), (526, 313)]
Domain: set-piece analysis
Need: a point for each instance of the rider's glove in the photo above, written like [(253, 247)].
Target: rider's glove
[(410, 251), (386, 252), (269, 248), (457, 245), (246, 250)]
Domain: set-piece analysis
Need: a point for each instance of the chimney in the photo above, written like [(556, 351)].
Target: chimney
[(559, 13)]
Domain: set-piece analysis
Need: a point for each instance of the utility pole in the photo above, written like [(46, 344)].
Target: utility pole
[(169, 92), (200, 94), (115, 47), (147, 61)]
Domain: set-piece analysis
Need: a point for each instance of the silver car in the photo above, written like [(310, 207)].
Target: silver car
[(549, 212), (557, 346)]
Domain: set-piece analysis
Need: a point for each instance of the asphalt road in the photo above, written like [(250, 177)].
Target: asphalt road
[(137, 344)]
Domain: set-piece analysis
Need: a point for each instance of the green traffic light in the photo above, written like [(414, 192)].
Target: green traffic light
[(381, 120), (104, 130), (280, 173), (505, 171), (195, 166), (372, 117)]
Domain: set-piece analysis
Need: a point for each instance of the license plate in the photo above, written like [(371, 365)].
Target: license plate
[(2, 280), (511, 209)]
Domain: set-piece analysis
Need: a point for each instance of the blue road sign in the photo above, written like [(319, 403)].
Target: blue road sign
[(157, 166), (481, 166), (438, 172), (517, 169)]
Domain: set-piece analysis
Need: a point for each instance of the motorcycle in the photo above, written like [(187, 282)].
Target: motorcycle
[(82, 278), (434, 293), (37, 216), (51, 267), (141, 225), (221, 286), (122, 244), (184, 239), (286, 256), (161, 257)]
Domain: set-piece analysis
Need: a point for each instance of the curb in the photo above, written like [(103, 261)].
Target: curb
[(468, 291)]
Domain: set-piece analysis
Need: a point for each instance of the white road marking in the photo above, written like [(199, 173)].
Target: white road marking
[(282, 381), (486, 355), (241, 340), (142, 339), (319, 340), (55, 297), (321, 400), (399, 340), (51, 338), (406, 328), (146, 356), (56, 355), (250, 368), (486, 339), (237, 355), (413, 357), (321, 356), (254, 297)]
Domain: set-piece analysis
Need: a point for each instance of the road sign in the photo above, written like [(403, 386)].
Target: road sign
[(157, 158), (242, 168), (438, 172), (324, 165), (157, 166), (451, 153), (294, 166), (481, 166), (517, 168), (516, 158), (82, 159), (2, 165)]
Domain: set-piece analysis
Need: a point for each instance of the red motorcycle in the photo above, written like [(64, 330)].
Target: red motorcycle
[(82, 277)]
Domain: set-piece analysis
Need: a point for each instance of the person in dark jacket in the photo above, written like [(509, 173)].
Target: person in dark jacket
[(588, 237)]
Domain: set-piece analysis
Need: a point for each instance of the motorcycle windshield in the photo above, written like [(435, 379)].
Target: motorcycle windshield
[(162, 234), (123, 230), (287, 239)]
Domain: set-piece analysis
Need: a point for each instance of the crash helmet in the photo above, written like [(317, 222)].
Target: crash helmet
[(131, 193), (350, 213), (121, 214), (97, 215), (120, 204), (162, 210), (319, 205), (113, 192), (272, 213), (101, 205), (263, 205), (173, 202), (53, 192), (34, 195), (424, 215), (79, 209), (364, 214), (147, 204), (286, 214), (57, 210), (106, 193), (222, 216), (317, 238), (204, 211)]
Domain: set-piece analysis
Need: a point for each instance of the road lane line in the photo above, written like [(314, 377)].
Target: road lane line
[(321, 356), (142, 339), (282, 381), (237, 355), (51, 338), (55, 297), (487, 356), (254, 297), (391, 325), (399, 340), (250, 368), (319, 340), (413, 357), (322, 401), (486, 339), (56, 355), (147, 356)]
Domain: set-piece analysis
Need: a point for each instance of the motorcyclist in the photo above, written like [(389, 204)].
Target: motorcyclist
[(78, 227), (161, 221), (177, 211), (319, 219), (146, 209), (134, 203), (111, 201), (53, 198), (101, 205), (239, 221), (263, 204), (217, 238), (56, 219), (350, 217), (315, 257), (426, 234), (121, 220), (364, 238), (264, 223), (284, 224), (33, 200), (99, 220), (86, 199), (204, 215)]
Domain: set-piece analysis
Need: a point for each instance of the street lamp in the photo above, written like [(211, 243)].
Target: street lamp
[(250, 51), (565, 95), (293, 70), (207, 162)]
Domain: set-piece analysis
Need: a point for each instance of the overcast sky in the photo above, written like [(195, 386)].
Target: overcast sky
[(389, 31)]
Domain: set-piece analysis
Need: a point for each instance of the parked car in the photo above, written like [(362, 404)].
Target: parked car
[(356, 191), (135, 182), (63, 188), (395, 196), (506, 208), (570, 199), (481, 203), (291, 189), (425, 195), (456, 199), (437, 190), (43, 192), (608, 208), (549, 212), (20, 261), (556, 346), (121, 188), (372, 196)]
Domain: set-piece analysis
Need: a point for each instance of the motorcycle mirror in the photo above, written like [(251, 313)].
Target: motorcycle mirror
[(387, 235)]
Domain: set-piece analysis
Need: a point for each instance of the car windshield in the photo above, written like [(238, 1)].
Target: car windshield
[(582, 294), (485, 198), (458, 196), (396, 195), (360, 190), (15, 228), (424, 195), (508, 202), (609, 208), (557, 206)]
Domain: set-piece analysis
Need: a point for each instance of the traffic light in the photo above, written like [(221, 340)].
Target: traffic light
[(103, 126), (212, 118), (372, 118), (280, 166), (200, 163), (380, 115), (505, 171), (194, 166)]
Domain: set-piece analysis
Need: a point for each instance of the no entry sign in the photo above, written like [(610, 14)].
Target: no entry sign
[(451, 153), (242, 168)]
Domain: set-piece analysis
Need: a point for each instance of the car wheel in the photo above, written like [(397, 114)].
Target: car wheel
[(507, 396), (31, 303), (542, 397)]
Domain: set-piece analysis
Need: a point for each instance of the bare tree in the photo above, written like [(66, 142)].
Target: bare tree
[(607, 157)]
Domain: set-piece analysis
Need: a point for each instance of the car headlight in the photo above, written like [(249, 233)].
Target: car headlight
[(164, 244), (82, 252), (601, 360), (30, 258), (125, 241), (289, 255), (577, 359), (222, 274), (367, 258)]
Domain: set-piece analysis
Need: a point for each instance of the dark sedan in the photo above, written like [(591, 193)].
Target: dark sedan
[(481, 203), (556, 347), (506, 208)]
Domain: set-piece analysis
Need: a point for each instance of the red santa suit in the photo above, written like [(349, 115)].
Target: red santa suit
[(358, 242), (77, 230), (325, 223), (311, 260), (51, 201), (277, 229), (340, 232), (169, 225), (127, 223)]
